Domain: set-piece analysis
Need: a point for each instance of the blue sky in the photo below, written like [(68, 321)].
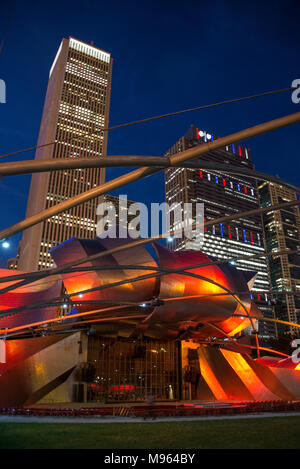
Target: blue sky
[(168, 55)]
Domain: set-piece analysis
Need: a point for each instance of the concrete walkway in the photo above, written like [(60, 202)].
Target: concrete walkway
[(99, 419)]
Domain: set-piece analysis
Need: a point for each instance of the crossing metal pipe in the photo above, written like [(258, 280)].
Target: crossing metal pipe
[(16, 168), (141, 173)]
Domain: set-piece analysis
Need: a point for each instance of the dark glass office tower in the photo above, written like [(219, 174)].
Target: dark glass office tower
[(282, 232), (223, 194)]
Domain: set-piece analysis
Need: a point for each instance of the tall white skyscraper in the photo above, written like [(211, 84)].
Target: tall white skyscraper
[(76, 110)]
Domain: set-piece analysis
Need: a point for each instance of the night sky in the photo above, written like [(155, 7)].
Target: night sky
[(168, 56)]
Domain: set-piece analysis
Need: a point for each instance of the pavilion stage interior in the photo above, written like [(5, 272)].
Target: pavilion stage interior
[(123, 339), (99, 370)]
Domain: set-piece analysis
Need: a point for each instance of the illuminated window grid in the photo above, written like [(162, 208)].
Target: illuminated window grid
[(278, 239), (82, 113), (220, 199)]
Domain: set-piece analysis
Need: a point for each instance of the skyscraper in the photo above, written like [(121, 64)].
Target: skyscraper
[(282, 232), (120, 215), (223, 194), (76, 110)]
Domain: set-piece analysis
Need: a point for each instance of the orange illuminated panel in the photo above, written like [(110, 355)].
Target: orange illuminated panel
[(297, 368), (247, 375), (234, 324), (211, 380)]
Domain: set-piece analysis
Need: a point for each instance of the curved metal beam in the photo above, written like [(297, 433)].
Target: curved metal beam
[(244, 345), (39, 276), (141, 173), (141, 242), (158, 271), (63, 318), (227, 335), (279, 321), (16, 168), (161, 116)]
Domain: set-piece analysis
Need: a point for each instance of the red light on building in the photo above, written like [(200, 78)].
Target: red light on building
[(122, 387)]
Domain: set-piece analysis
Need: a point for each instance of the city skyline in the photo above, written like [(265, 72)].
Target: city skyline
[(223, 194), (150, 237), (139, 90), (62, 121)]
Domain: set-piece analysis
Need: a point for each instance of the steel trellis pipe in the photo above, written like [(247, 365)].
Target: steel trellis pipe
[(62, 268), (159, 269), (157, 272), (161, 116), (147, 171), (279, 321), (36, 166), (39, 276)]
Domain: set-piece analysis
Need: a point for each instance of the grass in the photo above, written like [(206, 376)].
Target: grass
[(283, 432)]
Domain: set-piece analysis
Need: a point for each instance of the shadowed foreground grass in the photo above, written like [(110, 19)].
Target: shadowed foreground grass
[(283, 432)]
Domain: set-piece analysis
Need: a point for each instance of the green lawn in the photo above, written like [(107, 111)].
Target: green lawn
[(283, 432)]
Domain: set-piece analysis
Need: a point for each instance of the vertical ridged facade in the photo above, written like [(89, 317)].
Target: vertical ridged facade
[(282, 232), (76, 111), (223, 194)]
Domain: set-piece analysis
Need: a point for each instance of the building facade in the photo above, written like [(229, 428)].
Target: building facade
[(223, 194), (115, 213), (282, 232), (76, 110)]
